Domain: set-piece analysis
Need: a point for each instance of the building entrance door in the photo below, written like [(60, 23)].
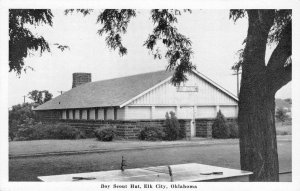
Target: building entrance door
[(193, 128), (187, 112)]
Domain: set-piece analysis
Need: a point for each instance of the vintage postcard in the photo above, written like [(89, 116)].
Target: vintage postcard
[(153, 95)]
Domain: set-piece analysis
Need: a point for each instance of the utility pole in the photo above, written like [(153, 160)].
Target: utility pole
[(24, 97), (61, 92), (237, 81)]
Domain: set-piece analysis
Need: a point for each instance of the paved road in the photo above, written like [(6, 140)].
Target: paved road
[(27, 169)]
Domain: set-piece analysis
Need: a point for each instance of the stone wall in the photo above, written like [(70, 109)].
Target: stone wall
[(204, 127), (48, 115), (124, 129), (129, 129)]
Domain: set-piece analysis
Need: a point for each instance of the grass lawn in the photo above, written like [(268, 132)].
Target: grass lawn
[(283, 128), (44, 146), (222, 152), (227, 155)]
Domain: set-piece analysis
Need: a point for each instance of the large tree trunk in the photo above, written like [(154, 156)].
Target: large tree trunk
[(258, 145)]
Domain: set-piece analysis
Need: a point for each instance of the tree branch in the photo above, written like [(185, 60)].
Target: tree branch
[(278, 71), (178, 46), (115, 23), (283, 50), (260, 23), (280, 77)]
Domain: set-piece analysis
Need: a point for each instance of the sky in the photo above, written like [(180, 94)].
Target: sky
[(215, 42)]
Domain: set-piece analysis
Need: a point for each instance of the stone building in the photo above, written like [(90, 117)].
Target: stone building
[(134, 101)]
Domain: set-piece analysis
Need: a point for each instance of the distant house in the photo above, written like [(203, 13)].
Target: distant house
[(141, 97)]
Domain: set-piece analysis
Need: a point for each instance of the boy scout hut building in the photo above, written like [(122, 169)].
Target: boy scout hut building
[(130, 103)]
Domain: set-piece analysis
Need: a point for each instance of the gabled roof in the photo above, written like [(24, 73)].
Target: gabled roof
[(112, 92), (116, 92), (228, 93)]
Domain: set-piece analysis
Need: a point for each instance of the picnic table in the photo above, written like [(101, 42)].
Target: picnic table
[(190, 172)]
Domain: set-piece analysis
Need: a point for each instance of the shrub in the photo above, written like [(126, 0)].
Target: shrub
[(105, 134), (151, 133), (28, 133), (281, 115), (172, 127), (233, 129), (62, 131), (219, 127), (48, 131), (19, 116), (13, 129)]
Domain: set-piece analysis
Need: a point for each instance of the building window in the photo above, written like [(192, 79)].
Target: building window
[(67, 114), (80, 114), (73, 113)]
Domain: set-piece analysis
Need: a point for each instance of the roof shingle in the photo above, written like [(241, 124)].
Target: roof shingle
[(112, 92)]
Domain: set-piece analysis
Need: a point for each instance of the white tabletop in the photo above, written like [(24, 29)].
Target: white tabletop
[(181, 172)]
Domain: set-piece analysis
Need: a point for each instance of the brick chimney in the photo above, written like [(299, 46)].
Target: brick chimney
[(81, 78)]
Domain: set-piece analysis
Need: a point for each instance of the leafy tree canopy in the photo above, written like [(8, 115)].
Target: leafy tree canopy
[(280, 29), (114, 25), (281, 114), (21, 112), (21, 39), (289, 100), (115, 22), (40, 97), (19, 115)]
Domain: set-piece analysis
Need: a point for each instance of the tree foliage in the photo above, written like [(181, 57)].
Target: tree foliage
[(289, 100), (172, 127), (178, 46), (21, 39), (105, 134), (21, 112), (279, 33), (277, 27), (281, 115), (220, 128), (114, 25), (40, 97), (18, 115)]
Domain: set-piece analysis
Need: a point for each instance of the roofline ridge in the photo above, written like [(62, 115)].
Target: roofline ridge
[(145, 92), (204, 77), (128, 76), (216, 84)]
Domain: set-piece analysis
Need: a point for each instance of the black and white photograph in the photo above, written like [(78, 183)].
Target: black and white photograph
[(133, 97)]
